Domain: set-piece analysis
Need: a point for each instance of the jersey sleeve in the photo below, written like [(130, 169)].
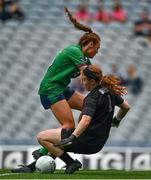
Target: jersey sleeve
[(118, 100), (89, 106), (77, 57)]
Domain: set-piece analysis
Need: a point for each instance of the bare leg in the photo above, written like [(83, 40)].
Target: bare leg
[(48, 138), (76, 101), (63, 113)]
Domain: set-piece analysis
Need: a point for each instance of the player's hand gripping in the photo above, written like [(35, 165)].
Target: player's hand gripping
[(66, 142)]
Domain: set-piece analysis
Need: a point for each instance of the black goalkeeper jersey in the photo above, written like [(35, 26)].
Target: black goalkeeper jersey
[(100, 105)]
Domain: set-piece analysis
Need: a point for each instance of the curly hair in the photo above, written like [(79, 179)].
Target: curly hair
[(111, 82)]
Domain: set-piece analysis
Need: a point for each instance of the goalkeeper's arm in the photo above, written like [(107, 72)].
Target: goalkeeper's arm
[(82, 125), (124, 108)]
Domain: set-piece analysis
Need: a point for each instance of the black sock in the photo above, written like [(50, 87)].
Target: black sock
[(66, 158), (32, 166)]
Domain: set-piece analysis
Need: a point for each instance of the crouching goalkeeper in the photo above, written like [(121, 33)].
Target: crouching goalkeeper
[(96, 120)]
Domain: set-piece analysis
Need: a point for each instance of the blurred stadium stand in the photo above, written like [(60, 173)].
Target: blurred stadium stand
[(27, 49)]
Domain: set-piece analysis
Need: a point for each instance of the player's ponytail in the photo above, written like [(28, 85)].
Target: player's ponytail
[(111, 82), (76, 24), (88, 36)]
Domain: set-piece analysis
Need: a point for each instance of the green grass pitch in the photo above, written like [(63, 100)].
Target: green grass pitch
[(82, 174)]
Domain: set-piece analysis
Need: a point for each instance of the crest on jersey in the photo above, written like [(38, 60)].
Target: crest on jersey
[(84, 59)]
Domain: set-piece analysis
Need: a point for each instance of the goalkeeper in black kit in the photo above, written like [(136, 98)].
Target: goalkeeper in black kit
[(95, 123)]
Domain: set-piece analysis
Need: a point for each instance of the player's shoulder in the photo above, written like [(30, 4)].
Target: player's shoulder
[(103, 90), (94, 93), (74, 48), (98, 92)]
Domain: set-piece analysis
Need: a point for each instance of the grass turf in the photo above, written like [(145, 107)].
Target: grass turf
[(82, 174)]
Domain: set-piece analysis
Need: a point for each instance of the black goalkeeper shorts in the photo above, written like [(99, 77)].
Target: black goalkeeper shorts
[(79, 147)]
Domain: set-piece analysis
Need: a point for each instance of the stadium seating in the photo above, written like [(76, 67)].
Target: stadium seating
[(28, 48)]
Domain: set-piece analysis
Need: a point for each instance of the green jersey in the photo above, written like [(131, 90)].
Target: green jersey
[(64, 67)]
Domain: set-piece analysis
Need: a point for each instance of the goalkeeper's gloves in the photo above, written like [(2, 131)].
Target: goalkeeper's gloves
[(66, 142), (115, 122)]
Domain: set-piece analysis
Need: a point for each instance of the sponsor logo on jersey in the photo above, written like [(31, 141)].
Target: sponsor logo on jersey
[(103, 90)]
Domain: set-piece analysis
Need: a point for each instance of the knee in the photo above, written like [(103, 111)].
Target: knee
[(40, 137)]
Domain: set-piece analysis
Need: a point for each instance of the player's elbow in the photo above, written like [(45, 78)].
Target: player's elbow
[(125, 106), (125, 109), (128, 108), (86, 122)]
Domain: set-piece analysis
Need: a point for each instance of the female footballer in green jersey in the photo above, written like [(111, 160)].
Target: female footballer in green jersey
[(54, 91)]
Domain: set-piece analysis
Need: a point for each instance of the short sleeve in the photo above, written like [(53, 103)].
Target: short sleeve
[(77, 57), (89, 106), (118, 100)]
